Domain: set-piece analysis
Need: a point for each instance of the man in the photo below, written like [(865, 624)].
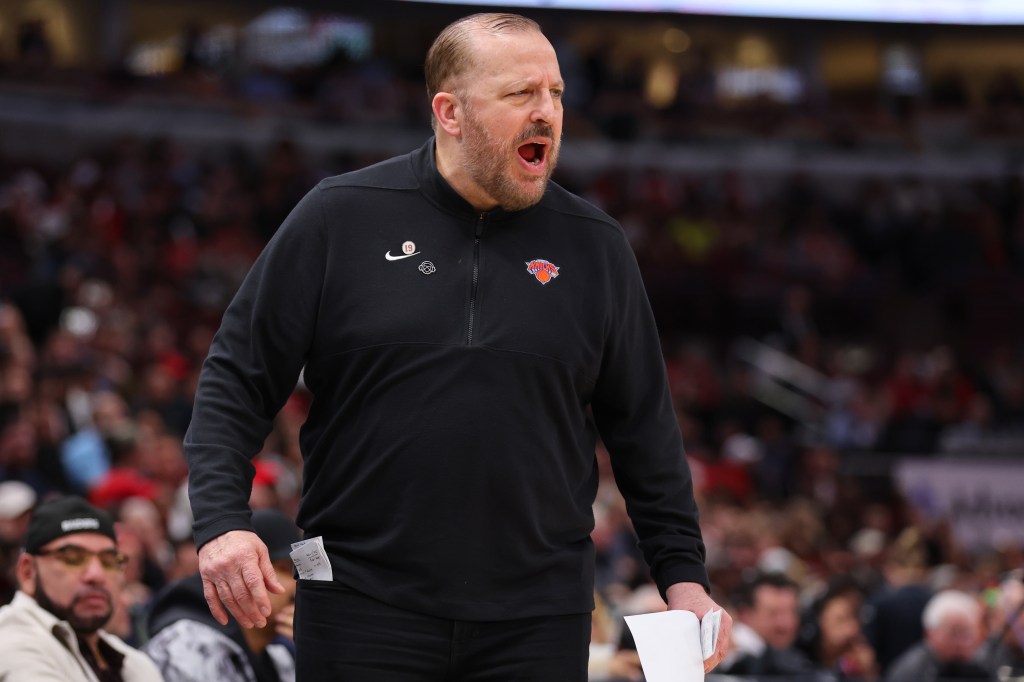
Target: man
[(768, 619), (188, 645), (892, 615), (952, 636), (69, 577), (466, 328)]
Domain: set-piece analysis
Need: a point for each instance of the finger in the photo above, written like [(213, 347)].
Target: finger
[(723, 644), (270, 576), (714, 660), (214, 602), (231, 593), (725, 634), (252, 591)]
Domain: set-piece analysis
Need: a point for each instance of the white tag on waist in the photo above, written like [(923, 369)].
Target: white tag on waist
[(311, 560)]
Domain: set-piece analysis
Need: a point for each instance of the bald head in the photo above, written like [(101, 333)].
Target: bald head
[(452, 53)]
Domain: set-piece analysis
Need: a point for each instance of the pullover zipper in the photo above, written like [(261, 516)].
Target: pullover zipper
[(476, 278)]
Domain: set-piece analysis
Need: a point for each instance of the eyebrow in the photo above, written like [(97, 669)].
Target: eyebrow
[(517, 85), (72, 545)]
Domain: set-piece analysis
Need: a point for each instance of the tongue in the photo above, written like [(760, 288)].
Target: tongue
[(528, 152)]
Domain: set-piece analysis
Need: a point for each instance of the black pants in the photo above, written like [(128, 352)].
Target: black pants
[(344, 636)]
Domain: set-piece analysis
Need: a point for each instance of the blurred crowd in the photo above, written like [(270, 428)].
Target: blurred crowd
[(609, 97), (900, 298)]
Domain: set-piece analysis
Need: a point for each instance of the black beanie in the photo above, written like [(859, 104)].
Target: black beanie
[(64, 516)]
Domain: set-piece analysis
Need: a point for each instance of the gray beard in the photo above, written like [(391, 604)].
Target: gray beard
[(486, 161), (82, 626)]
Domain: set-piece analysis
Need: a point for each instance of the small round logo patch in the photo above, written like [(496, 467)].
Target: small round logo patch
[(427, 268), (408, 248)]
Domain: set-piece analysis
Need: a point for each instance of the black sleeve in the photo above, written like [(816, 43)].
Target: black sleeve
[(635, 416), (252, 368)]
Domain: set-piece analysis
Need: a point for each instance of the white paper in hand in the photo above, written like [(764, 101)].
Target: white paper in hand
[(709, 627), (669, 645)]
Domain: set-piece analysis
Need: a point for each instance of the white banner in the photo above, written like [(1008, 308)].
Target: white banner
[(903, 11), (982, 500)]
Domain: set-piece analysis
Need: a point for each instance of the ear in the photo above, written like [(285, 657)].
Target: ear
[(448, 112), (25, 570)]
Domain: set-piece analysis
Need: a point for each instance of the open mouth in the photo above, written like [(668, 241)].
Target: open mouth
[(533, 152)]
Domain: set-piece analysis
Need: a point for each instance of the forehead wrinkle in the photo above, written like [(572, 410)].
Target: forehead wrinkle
[(534, 81)]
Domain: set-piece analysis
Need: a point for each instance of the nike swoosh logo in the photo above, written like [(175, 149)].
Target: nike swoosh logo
[(390, 257)]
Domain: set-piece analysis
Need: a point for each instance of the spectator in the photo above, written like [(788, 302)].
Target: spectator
[(89, 454), (19, 452), (832, 635), (952, 634), (69, 579), (188, 645), (892, 618), (767, 622)]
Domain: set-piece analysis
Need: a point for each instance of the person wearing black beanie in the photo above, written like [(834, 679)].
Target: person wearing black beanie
[(70, 576)]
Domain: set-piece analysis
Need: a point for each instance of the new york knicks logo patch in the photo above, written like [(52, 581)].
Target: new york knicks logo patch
[(543, 270)]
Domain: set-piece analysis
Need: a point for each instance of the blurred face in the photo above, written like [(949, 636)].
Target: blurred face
[(511, 126), (18, 445), (955, 639), (109, 412), (775, 616), (77, 578), (839, 624)]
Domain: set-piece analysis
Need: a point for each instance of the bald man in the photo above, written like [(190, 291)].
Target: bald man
[(467, 328)]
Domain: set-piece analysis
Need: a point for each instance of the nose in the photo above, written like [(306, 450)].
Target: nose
[(94, 571), (547, 108)]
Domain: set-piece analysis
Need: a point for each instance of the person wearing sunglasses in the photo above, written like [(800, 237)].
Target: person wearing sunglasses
[(70, 576)]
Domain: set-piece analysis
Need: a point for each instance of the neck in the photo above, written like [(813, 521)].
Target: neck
[(93, 642), (446, 160), (259, 638)]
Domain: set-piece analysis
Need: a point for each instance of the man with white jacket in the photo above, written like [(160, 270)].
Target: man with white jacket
[(70, 576)]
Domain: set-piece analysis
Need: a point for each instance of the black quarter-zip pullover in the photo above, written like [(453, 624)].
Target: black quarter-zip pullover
[(461, 366)]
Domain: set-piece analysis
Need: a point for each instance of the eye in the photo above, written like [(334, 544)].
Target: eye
[(112, 559), (73, 556), (556, 93)]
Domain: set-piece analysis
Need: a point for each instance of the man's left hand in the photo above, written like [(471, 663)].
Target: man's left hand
[(692, 597)]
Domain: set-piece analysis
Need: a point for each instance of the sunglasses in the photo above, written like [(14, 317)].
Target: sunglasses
[(74, 556)]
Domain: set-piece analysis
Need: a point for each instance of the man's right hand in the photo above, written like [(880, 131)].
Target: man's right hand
[(237, 573)]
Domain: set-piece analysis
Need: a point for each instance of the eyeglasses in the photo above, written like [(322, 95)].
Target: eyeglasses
[(74, 556)]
